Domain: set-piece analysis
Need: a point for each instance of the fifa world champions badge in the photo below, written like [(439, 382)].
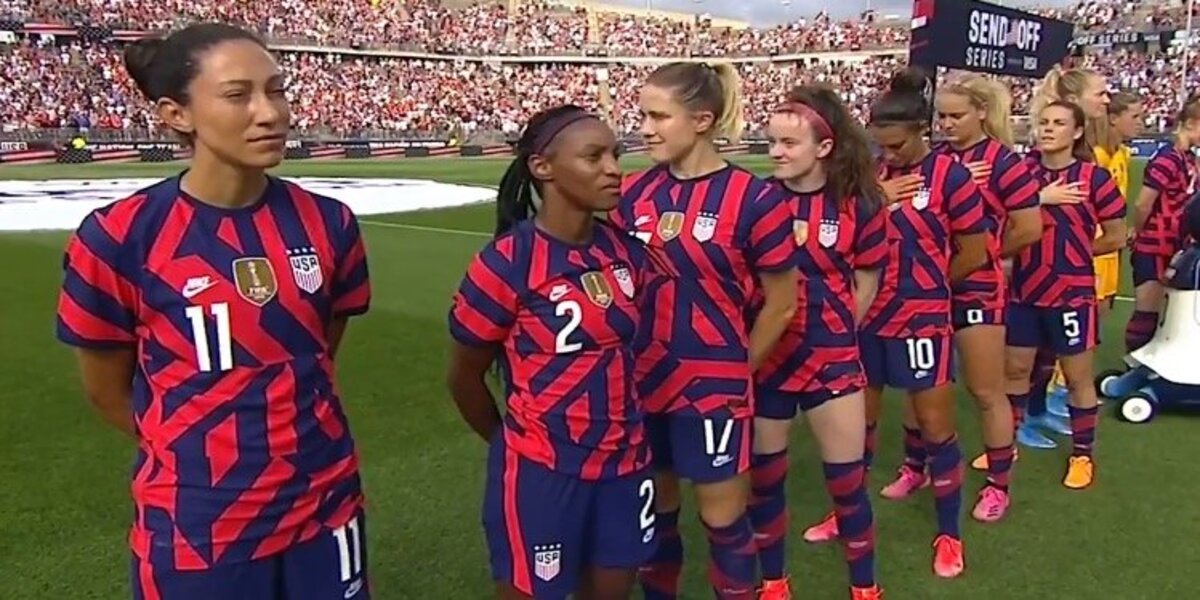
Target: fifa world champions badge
[(306, 268), (597, 288), (670, 224), (255, 278), (800, 231)]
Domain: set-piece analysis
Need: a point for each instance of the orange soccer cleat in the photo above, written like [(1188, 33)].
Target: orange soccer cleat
[(1081, 472), (775, 589), (948, 559)]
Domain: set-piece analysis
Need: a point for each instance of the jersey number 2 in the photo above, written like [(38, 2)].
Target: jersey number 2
[(220, 314), (572, 309)]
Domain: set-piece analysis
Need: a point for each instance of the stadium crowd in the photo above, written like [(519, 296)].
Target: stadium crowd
[(53, 83)]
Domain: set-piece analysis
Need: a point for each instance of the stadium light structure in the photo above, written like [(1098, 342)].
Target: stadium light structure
[(1187, 55)]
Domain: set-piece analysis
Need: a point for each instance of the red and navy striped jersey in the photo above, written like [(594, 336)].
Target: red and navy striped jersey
[(1009, 188), (1172, 173), (715, 234), (1058, 271), (835, 241), (914, 291), (244, 450), (567, 318)]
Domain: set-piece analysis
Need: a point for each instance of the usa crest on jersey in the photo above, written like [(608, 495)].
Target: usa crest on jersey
[(704, 227), (827, 234), (306, 268), (547, 561), (624, 281), (920, 200), (670, 224), (800, 231), (597, 289)]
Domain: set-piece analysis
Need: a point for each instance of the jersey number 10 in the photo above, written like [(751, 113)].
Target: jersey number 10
[(220, 314)]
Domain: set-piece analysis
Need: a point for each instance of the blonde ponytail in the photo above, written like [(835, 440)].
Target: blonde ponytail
[(732, 123), (992, 97)]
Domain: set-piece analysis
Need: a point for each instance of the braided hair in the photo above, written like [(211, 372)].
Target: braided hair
[(514, 199)]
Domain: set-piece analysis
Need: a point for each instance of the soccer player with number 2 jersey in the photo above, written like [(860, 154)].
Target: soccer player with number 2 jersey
[(723, 232), (823, 163), (937, 234), (556, 299), (206, 311), (1054, 282)]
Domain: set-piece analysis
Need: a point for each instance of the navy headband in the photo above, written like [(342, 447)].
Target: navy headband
[(555, 126)]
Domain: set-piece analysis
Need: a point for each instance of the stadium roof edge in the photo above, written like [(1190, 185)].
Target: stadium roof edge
[(601, 6)]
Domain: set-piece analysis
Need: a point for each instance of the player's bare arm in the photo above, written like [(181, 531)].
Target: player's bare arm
[(1112, 238), (1025, 227), (866, 284), (108, 384), (334, 333), (465, 378), (1143, 207), (779, 290), (971, 255)]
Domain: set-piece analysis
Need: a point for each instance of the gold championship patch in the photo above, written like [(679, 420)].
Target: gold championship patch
[(255, 279), (669, 225), (597, 288), (800, 231)]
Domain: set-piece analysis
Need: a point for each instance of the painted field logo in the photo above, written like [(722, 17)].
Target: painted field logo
[(64, 203)]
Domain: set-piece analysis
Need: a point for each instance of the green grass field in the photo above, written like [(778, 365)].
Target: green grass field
[(64, 498)]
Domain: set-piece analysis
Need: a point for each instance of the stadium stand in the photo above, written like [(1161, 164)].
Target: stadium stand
[(382, 68)]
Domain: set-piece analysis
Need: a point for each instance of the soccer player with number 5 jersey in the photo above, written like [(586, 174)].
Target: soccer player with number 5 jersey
[(206, 311), (823, 162), (556, 300), (1054, 282), (724, 233), (938, 234)]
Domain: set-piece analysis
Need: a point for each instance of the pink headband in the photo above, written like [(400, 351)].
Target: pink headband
[(806, 112)]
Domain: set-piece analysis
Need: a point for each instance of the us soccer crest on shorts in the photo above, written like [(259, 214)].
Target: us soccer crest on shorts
[(255, 279), (547, 561), (306, 268)]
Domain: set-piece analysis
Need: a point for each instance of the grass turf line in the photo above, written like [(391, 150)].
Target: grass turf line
[(64, 507)]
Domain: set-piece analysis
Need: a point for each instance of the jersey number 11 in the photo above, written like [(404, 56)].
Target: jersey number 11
[(220, 314)]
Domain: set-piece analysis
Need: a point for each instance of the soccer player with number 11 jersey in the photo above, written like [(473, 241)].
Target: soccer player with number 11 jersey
[(206, 311)]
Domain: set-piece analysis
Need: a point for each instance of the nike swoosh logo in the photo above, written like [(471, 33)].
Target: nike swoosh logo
[(193, 290)]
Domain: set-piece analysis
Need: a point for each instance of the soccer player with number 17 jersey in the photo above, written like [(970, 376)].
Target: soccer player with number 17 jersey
[(206, 311), (723, 232), (1054, 282)]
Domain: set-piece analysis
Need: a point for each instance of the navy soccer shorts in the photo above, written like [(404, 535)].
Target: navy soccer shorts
[(331, 565), (1148, 267), (913, 364), (544, 528), (1065, 331), (699, 449)]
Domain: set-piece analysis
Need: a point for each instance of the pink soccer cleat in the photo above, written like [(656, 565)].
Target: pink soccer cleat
[(992, 504), (908, 481)]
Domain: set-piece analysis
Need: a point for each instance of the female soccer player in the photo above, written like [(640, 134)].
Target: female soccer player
[(192, 338), (823, 162), (938, 235), (1087, 89), (974, 113), (1169, 183), (1054, 294), (720, 229), (555, 299)]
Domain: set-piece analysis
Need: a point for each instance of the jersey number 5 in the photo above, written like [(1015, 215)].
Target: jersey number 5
[(220, 314), (568, 308)]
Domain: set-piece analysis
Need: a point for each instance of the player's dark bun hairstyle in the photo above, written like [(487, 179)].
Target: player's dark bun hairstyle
[(907, 102), (851, 166), (699, 86), (1081, 150), (165, 67), (514, 199)]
